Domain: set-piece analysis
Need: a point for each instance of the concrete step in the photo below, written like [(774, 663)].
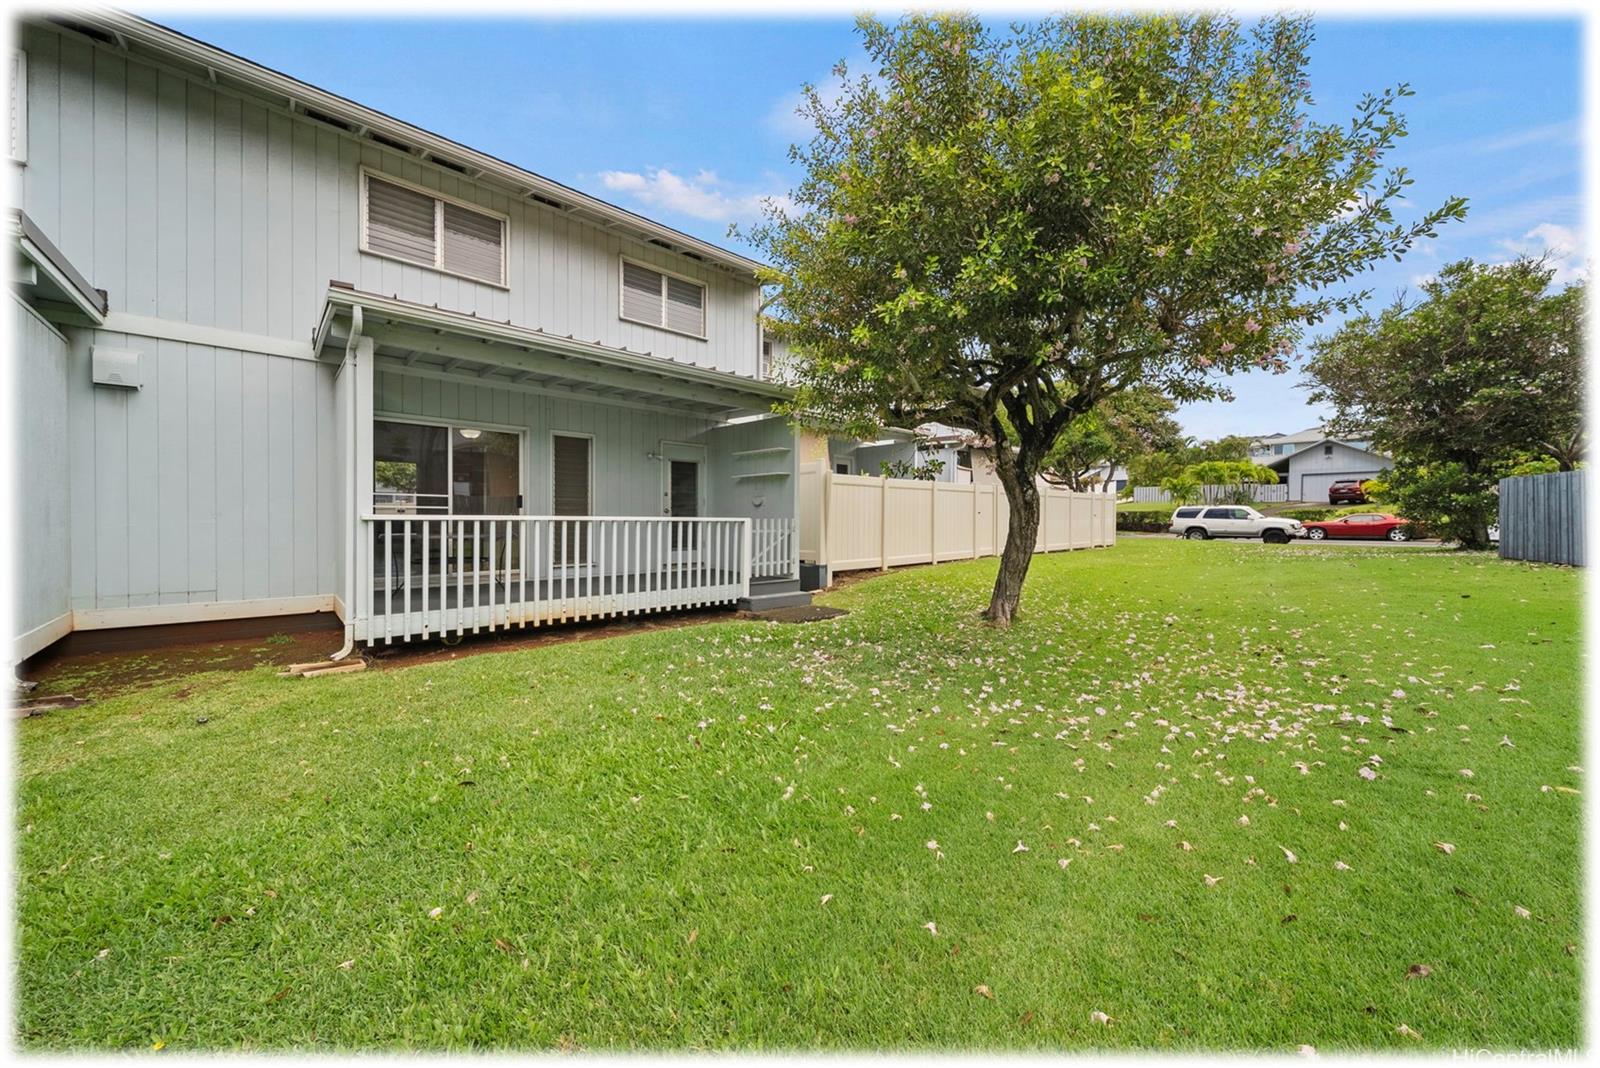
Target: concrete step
[(759, 601), (775, 585)]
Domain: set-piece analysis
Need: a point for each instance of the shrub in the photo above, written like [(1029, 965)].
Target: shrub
[(1148, 520), (1309, 515)]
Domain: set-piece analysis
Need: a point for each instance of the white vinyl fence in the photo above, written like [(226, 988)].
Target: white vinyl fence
[(1215, 494), (850, 522)]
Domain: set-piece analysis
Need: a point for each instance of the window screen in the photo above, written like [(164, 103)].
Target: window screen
[(411, 225), (658, 299)]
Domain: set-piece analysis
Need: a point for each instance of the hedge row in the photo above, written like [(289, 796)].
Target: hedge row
[(1148, 520)]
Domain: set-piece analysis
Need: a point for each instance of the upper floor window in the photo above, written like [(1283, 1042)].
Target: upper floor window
[(655, 298), (406, 223)]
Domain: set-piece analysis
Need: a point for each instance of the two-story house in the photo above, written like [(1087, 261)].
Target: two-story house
[(275, 352), (1311, 461)]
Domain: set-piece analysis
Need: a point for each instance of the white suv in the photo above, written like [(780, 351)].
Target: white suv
[(1198, 522)]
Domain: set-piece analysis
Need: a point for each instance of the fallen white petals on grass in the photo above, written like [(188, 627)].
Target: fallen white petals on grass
[(1406, 1032), (1213, 880), (932, 928), (1100, 1018), (346, 965), (1366, 772), (826, 898), (1020, 847), (1445, 847), (1063, 862), (435, 913), (1340, 865), (1522, 913), (1244, 821), (1289, 856)]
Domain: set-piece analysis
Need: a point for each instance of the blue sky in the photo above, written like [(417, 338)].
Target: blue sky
[(689, 121)]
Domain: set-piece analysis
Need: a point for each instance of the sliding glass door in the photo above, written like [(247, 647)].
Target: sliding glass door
[(410, 469), (486, 472), (422, 469), (426, 470)]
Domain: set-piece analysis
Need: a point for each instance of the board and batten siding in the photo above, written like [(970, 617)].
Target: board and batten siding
[(190, 203), (217, 481), (626, 481), (38, 422), (753, 467)]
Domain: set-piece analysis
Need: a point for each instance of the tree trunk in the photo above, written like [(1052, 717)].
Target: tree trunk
[(1022, 494)]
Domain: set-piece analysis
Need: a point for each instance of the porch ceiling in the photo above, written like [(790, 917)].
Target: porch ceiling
[(429, 343)]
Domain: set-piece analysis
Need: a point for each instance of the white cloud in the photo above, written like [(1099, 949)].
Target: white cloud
[(1561, 245), (783, 119), (704, 196), (1563, 133)]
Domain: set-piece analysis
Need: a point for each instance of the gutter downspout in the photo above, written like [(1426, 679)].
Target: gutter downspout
[(350, 606)]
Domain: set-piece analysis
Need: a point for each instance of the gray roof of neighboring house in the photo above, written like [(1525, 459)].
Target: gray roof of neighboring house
[(1311, 434), (1278, 462)]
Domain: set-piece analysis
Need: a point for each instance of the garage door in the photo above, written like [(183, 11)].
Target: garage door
[(1314, 488)]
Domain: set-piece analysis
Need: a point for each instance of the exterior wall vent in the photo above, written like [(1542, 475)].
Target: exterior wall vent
[(398, 146), (118, 368), (338, 124)]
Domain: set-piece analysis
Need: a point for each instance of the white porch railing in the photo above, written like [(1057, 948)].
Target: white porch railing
[(434, 576), (776, 551)]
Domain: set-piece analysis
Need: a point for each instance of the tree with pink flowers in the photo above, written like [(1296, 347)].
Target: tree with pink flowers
[(1001, 230)]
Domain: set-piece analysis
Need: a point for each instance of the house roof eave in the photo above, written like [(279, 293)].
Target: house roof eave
[(756, 393), (132, 31)]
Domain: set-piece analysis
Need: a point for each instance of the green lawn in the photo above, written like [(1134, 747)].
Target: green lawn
[(735, 835)]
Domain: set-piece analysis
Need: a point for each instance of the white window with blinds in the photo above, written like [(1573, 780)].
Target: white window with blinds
[(405, 222), (656, 298)]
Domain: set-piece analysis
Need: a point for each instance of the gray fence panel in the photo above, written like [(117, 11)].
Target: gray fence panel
[(1542, 518)]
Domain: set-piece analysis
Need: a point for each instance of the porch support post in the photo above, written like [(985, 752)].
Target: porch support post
[(359, 581), (749, 560)]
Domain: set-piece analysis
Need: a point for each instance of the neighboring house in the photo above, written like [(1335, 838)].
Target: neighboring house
[(280, 353), (1273, 446), (1316, 465), (930, 441), (1108, 478)]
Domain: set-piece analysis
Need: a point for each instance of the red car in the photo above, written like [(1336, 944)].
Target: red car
[(1348, 491), (1361, 525)]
